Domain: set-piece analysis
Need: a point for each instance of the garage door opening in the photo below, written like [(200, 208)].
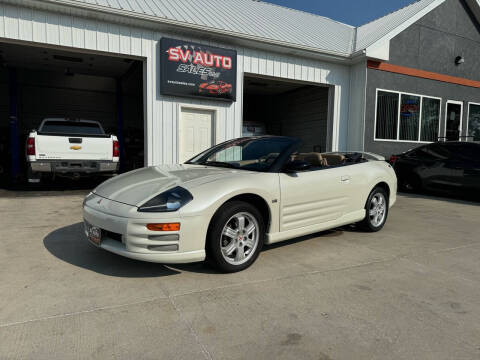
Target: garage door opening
[(287, 108), (38, 83)]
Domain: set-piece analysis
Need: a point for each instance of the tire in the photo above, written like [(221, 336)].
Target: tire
[(227, 237), (376, 215), (34, 180)]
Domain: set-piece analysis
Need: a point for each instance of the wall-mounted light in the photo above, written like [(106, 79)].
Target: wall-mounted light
[(459, 60)]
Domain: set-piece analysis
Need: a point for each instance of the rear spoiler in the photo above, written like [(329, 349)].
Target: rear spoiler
[(373, 156)]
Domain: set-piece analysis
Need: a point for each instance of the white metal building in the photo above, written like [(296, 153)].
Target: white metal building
[(315, 64)]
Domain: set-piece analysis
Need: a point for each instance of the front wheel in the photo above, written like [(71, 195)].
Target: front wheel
[(376, 209), (235, 237)]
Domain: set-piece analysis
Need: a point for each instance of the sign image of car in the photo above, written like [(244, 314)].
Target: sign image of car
[(215, 87), (224, 204)]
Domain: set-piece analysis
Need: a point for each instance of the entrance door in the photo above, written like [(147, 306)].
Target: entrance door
[(195, 133), (453, 121)]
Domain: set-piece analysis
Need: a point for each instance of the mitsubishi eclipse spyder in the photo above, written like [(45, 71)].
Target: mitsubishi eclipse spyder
[(226, 202)]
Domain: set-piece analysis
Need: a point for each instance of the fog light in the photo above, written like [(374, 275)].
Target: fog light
[(164, 227)]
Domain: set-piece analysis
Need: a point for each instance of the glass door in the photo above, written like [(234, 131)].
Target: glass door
[(453, 120)]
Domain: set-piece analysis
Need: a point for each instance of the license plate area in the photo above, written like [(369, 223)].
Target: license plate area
[(94, 234)]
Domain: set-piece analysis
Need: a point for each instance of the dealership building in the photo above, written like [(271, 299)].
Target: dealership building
[(173, 77)]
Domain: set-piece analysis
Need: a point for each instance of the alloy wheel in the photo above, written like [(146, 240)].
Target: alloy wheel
[(378, 209), (239, 238)]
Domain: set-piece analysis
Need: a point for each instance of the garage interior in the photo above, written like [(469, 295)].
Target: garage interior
[(287, 108), (38, 83)]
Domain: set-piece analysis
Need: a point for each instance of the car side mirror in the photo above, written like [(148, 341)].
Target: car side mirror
[(296, 166)]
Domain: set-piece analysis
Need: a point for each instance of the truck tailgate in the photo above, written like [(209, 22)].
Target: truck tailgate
[(73, 147)]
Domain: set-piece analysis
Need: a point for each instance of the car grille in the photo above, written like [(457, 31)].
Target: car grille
[(111, 235)]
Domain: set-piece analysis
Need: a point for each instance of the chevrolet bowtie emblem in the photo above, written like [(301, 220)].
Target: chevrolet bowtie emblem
[(75, 147)]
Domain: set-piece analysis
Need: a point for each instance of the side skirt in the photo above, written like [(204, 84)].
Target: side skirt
[(290, 234)]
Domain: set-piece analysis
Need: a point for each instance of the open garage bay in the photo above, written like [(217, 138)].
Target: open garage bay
[(410, 291)]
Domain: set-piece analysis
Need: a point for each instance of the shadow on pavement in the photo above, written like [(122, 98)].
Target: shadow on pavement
[(57, 187), (463, 199), (68, 244)]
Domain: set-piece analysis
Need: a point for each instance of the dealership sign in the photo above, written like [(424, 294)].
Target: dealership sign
[(189, 69)]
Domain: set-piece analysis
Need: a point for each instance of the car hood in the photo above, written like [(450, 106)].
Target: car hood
[(135, 187)]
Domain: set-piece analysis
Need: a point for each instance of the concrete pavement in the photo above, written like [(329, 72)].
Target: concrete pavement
[(411, 291)]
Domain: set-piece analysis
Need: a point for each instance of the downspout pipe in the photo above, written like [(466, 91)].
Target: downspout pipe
[(120, 123), (13, 118)]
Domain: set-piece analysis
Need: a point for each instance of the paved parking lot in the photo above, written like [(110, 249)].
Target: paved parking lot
[(411, 291)]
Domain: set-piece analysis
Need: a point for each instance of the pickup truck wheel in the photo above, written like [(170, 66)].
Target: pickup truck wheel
[(33, 179), (235, 237)]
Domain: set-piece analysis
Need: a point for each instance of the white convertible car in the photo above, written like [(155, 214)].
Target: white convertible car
[(225, 203)]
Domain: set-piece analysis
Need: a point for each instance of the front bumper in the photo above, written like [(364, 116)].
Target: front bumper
[(128, 236), (74, 166)]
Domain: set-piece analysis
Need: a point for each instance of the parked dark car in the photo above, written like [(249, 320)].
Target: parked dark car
[(452, 167)]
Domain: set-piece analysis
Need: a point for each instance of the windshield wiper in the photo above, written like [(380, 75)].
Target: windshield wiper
[(219, 164)]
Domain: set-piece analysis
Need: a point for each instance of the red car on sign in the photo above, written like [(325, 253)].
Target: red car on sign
[(215, 87)]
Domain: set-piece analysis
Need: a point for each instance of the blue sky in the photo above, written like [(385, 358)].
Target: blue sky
[(352, 12)]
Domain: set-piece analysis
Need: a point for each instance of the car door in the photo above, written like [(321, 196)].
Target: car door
[(468, 163), (454, 164), (314, 197), (431, 164)]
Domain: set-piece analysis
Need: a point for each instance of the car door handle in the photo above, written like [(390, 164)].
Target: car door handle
[(345, 178)]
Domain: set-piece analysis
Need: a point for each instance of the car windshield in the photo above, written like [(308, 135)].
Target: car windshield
[(255, 154), (63, 127)]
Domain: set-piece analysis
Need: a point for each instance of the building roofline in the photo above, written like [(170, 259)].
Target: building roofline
[(176, 23), (397, 30), (316, 52)]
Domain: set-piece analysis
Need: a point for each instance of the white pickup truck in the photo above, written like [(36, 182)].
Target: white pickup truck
[(70, 148)]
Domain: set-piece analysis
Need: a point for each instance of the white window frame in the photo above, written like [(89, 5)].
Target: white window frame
[(461, 119), (468, 116), (400, 93)]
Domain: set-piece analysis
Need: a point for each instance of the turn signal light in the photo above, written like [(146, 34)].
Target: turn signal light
[(116, 149), (164, 227), (30, 146)]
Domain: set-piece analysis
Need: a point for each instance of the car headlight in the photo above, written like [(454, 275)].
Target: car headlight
[(170, 200)]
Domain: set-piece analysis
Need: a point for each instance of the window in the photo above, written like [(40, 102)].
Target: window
[(430, 119), (474, 122), (64, 127), (407, 117), (257, 154), (464, 150), (387, 115), (233, 153)]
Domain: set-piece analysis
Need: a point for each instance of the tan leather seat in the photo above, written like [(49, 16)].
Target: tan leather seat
[(313, 158), (334, 159)]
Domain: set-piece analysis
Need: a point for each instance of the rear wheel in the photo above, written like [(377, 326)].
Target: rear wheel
[(34, 179), (376, 209), (235, 237)]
